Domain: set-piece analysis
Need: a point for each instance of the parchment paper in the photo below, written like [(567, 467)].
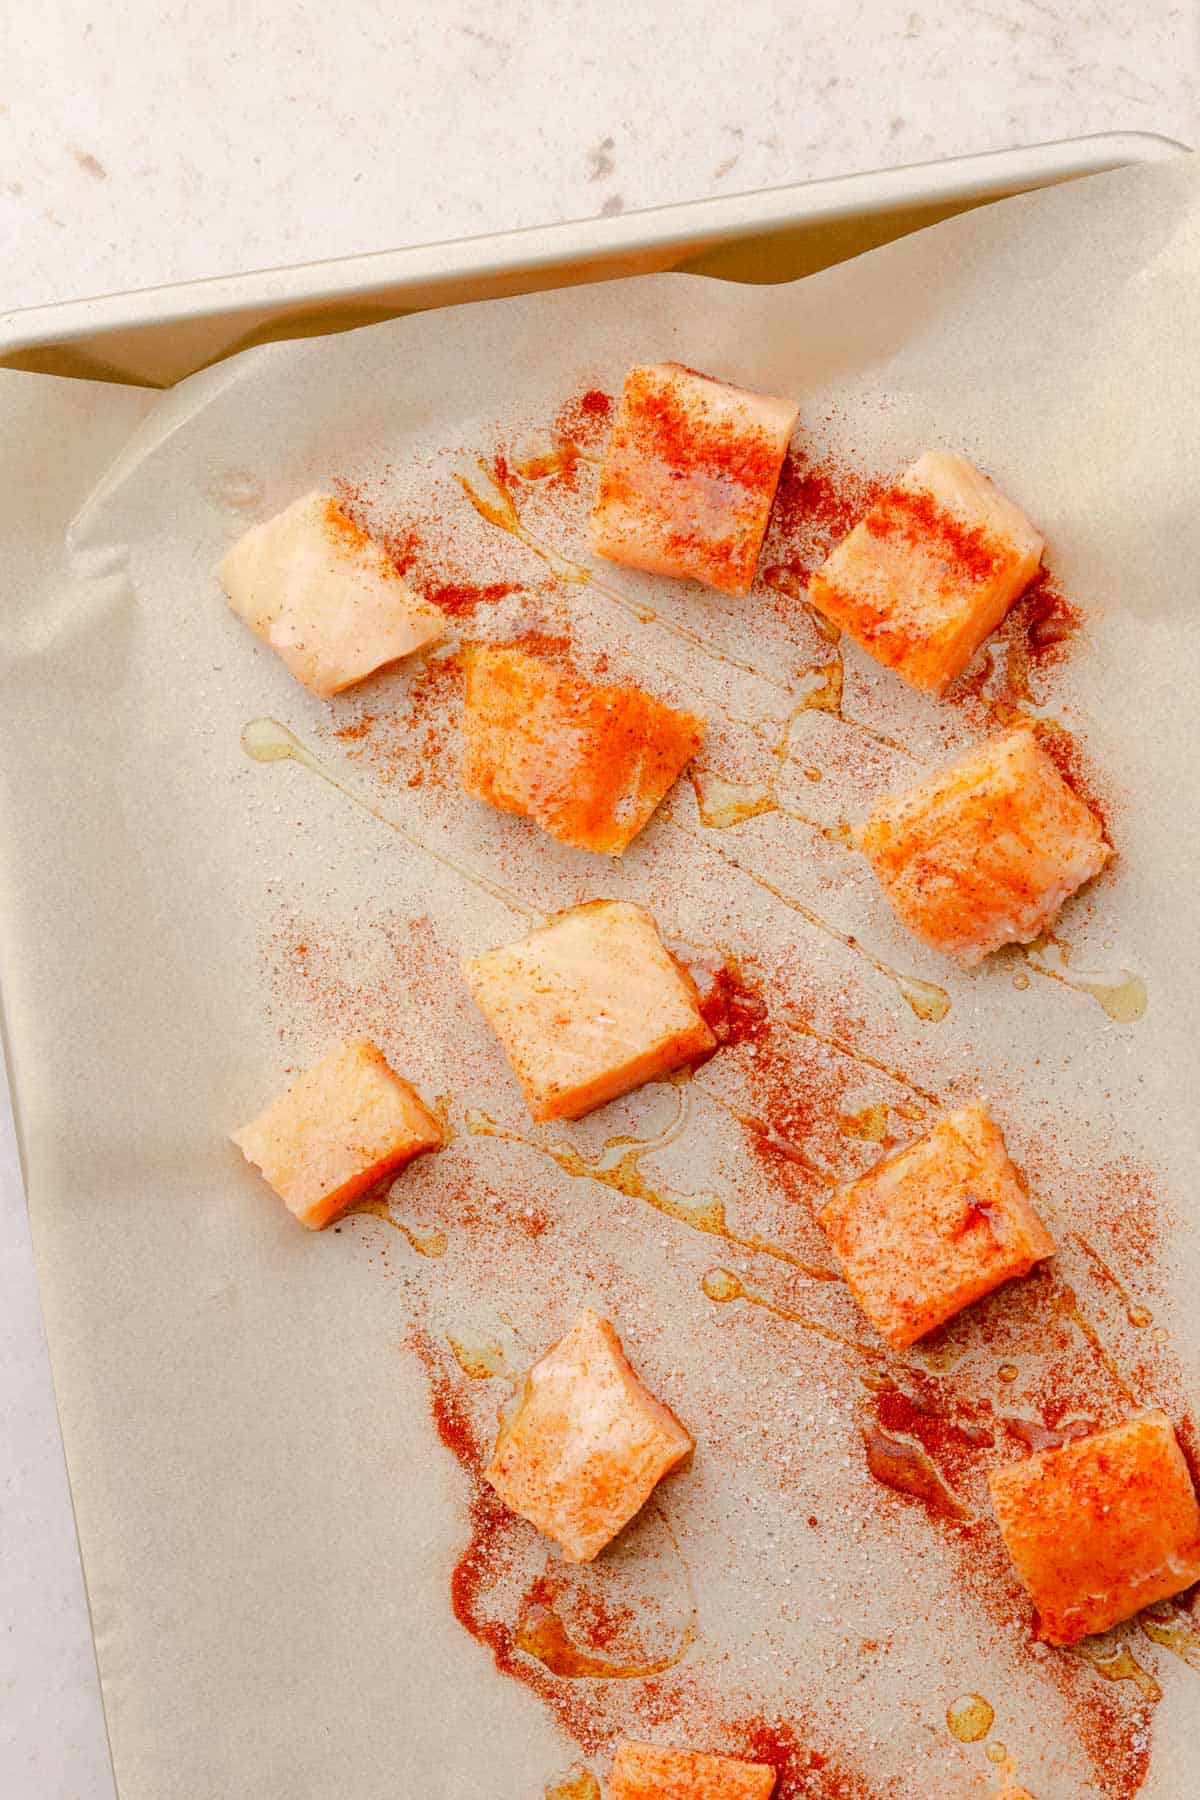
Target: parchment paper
[(269, 1520)]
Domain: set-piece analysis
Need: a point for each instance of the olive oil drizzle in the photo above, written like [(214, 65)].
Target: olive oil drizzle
[(927, 1000), (704, 1213), (267, 741)]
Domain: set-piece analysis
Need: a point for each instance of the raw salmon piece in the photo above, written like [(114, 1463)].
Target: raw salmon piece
[(587, 1444), (930, 571), (934, 1226), (345, 1124), (689, 475), (589, 764), (646, 1772), (324, 596), (1101, 1527), (588, 1007), (985, 852)]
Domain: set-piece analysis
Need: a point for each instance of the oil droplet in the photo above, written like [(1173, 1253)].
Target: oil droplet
[(722, 804), (478, 1361), (539, 462), (1124, 1000), (723, 1286), (1160, 1334), (1007, 1372), (928, 1001), (943, 1350), (1119, 1664), (1122, 996), (1139, 1316), (997, 1752), (906, 1467), (869, 1124), (490, 499), (828, 679), (542, 1635), (1020, 980), (825, 692), (267, 741), (426, 1240), (1164, 1624), (970, 1718), (577, 1784)]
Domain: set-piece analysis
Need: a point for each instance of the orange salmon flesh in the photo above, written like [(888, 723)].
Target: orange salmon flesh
[(587, 1444)]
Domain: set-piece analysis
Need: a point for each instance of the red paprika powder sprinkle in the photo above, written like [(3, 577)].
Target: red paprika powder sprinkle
[(970, 553)]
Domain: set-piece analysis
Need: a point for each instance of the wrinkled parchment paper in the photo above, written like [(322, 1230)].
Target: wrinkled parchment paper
[(269, 1520)]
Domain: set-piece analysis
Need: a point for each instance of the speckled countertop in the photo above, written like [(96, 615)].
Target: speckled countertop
[(143, 143)]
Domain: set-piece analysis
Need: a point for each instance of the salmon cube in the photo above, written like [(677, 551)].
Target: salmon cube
[(689, 475), (1101, 1527), (325, 597), (985, 852), (587, 1444), (934, 1226), (931, 570), (646, 1772), (588, 1007), (588, 764), (342, 1127)]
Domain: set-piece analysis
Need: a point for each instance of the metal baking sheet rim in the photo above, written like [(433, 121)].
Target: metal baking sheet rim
[(156, 336)]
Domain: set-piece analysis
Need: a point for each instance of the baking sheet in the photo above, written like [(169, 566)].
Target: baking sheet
[(159, 335), (269, 1434)]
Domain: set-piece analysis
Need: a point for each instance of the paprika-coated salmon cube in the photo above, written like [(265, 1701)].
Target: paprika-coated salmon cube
[(343, 1126), (930, 571), (588, 1007), (985, 852), (646, 1772), (1101, 1527), (324, 596), (689, 475), (934, 1226), (588, 764), (586, 1443)]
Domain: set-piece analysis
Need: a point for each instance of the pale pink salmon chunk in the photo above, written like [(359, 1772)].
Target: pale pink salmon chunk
[(1101, 1527), (586, 1444), (343, 1126), (934, 1226), (985, 852), (588, 1007), (325, 597), (930, 571), (689, 476), (647, 1772)]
